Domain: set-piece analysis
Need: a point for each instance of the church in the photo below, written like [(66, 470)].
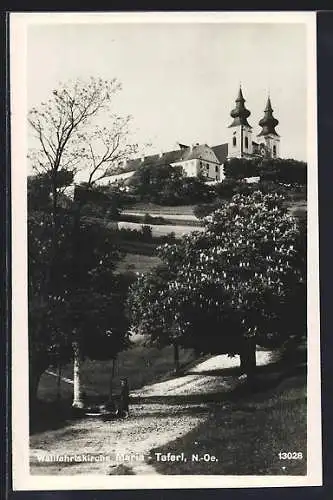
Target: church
[(208, 161)]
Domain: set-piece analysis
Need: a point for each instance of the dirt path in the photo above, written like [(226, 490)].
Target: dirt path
[(123, 446)]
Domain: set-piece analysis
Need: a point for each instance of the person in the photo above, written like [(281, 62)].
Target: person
[(123, 408)]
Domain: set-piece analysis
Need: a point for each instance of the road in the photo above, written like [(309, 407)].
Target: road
[(109, 447)]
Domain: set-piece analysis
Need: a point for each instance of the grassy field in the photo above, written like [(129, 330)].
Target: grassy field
[(163, 229), (140, 364), (137, 263), (159, 210), (247, 436)]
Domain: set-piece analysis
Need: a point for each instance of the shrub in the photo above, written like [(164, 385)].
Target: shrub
[(205, 209), (149, 219), (146, 233)]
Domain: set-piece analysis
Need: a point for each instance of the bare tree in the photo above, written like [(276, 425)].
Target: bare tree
[(104, 149), (58, 122), (69, 141)]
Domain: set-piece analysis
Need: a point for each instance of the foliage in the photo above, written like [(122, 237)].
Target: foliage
[(86, 299), (68, 138), (229, 187), (149, 180), (167, 185), (143, 235), (278, 170), (243, 278), (39, 188), (100, 201), (204, 209), (282, 170), (149, 219), (239, 168)]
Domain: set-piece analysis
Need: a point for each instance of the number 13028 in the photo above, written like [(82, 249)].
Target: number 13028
[(290, 455)]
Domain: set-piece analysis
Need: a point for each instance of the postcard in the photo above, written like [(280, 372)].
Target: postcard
[(165, 263)]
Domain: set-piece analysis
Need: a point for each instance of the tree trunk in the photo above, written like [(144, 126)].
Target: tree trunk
[(248, 358), (36, 370), (176, 356), (59, 382), (77, 397), (34, 378), (54, 238), (112, 377)]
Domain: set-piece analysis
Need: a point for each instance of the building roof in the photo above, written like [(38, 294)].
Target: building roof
[(221, 152), (268, 122), (194, 152), (240, 114), (185, 153)]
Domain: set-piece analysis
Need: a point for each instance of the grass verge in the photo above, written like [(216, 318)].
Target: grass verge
[(246, 436)]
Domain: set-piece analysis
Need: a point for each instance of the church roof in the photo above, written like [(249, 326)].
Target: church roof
[(185, 153), (156, 159), (194, 152), (268, 122), (240, 114)]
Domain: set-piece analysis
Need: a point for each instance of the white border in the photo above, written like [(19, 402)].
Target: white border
[(22, 480)]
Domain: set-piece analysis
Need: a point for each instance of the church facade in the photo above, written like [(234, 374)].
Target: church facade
[(241, 143), (208, 161)]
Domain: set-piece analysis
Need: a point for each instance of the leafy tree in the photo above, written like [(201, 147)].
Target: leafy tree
[(150, 179), (229, 187), (281, 170), (239, 168), (167, 185), (239, 283), (277, 170), (86, 302)]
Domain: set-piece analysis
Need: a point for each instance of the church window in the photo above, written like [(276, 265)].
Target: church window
[(216, 168), (274, 150), (246, 143), (234, 141)]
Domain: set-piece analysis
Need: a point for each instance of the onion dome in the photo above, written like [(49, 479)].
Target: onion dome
[(268, 122), (240, 114)]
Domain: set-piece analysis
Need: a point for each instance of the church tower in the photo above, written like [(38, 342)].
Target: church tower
[(268, 138), (240, 131)]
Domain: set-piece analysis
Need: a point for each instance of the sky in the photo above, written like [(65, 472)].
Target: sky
[(180, 80)]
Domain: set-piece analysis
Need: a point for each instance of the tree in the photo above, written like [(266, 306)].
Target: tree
[(239, 168), (167, 185), (69, 141), (277, 170), (230, 287), (150, 178), (283, 170), (89, 317), (58, 122)]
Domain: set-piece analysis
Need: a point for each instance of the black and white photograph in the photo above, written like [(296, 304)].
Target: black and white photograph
[(165, 250)]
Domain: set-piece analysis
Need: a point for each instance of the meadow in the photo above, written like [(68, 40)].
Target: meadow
[(140, 364)]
